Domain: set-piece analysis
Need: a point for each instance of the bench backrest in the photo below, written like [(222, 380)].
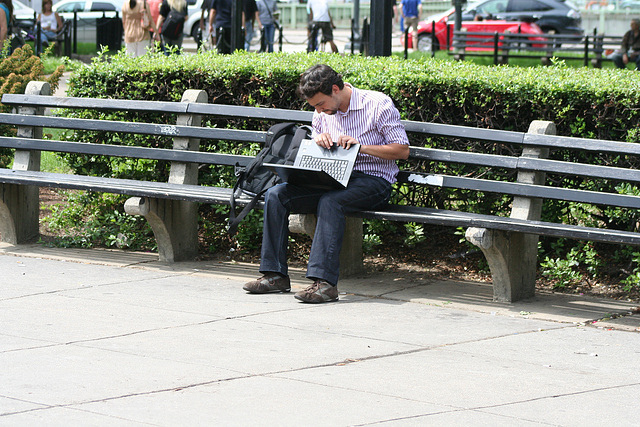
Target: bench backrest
[(412, 175)]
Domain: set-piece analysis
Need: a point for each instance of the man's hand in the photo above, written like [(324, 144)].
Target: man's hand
[(345, 141), (324, 140)]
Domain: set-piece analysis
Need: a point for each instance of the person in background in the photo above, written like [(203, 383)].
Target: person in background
[(154, 8), (220, 24), (171, 43), (6, 12), (206, 35), (322, 21), (251, 15), (50, 23), (630, 48), (411, 12), (312, 44), (267, 16), (343, 116), (137, 39)]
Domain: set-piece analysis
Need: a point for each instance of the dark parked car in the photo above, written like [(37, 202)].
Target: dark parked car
[(558, 16)]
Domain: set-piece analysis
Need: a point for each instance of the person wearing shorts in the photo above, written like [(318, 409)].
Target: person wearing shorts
[(322, 20)]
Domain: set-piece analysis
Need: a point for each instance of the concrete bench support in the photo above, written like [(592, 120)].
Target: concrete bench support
[(175, 222), (351, 254), (512, 257), (20, 204)]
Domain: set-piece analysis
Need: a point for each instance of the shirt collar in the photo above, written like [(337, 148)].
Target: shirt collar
[(354, 103)]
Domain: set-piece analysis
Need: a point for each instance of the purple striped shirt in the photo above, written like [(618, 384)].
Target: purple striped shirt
[(372, 119)]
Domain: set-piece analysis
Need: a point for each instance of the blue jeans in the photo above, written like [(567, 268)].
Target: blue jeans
[(46, 35), (169, 45), (248, 35), (269, 34), (617, 59), (363, 192)]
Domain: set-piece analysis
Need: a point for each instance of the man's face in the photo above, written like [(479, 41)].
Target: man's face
[(635, 26), (327, 104)]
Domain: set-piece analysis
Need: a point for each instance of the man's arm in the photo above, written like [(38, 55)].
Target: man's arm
[(624, 46), (212, 19), (3, 25), (388, 152)]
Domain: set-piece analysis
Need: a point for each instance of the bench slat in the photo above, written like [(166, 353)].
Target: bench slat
[(465, 132), (124, 151), (138, 128), (96, 104), (236, 111), (163, 190), (278, 114), (568, 142), (526, 190), (579, 169), (449, 156), (465, 219)]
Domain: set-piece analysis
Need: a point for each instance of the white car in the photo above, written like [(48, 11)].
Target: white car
[(87, 8), (25, 16), (89, 14), (22, 11)]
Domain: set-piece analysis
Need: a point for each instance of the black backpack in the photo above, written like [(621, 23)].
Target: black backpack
[(281, 146), (173, 24)]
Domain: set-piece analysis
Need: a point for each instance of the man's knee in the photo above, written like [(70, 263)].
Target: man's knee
[(617, 60), (330, 203), (275, 193)]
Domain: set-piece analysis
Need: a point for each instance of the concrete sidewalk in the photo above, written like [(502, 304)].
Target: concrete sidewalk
[(112, 338)]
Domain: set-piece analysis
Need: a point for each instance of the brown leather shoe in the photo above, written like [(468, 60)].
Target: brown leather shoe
[(319, 292), (269, 283)]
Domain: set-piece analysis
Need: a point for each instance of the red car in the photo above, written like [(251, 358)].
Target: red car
[(445, 19)]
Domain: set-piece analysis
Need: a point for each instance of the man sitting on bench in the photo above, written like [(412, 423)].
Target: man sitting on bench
[(630, 47), (344, 116)]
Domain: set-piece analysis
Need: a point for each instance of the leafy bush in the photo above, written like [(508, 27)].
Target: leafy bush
[(98, 219)]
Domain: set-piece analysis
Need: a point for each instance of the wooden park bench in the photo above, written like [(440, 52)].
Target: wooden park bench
[(509, 243)]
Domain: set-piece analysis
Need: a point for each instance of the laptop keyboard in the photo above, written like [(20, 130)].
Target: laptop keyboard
[(337, 168)]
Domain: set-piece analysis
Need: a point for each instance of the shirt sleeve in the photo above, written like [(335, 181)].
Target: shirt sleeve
[(316, 125), (388, 123), (164, 9)]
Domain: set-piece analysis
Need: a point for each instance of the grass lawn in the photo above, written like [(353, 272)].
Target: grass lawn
[(534, 61)]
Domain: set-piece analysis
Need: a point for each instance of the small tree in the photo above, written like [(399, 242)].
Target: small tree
[(16, 71)]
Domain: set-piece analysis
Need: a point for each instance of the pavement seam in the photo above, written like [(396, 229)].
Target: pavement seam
[(612, 316), (265, 374)]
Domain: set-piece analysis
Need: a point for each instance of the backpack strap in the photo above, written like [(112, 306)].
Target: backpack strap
[(234, 220)]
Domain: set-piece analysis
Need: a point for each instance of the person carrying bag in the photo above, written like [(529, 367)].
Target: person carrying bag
[(173, 14), (267, 9)]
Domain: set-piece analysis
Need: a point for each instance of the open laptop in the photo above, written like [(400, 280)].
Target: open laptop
[(318, 167)]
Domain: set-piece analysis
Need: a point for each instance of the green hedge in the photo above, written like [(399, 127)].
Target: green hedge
[(581, 101)]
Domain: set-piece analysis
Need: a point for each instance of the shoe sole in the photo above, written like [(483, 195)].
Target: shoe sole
[(275, 291), (299, 298)]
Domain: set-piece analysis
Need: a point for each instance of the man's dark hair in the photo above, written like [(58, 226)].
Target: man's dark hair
[(319, 79)]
